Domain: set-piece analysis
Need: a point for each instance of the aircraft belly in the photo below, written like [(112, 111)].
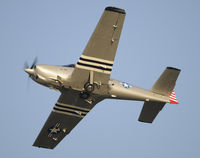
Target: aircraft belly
[(122, 90)]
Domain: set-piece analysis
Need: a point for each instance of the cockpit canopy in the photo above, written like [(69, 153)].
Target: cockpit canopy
[(70, 65)]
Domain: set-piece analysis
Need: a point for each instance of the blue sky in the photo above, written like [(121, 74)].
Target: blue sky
[(156, 34)]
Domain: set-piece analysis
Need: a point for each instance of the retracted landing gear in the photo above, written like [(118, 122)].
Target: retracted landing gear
[(89, 87), (84, 94)]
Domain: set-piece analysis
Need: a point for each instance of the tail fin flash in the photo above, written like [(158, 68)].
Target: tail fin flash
[(164, 86), (172, 98)]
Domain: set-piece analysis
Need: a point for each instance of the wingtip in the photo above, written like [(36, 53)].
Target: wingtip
[(114, 9), (44, 147), (145, 121), (173, 68)]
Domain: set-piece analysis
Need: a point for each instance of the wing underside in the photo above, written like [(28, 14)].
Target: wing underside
[(57, 126), (66, 114), (98, 56), (95, 64)]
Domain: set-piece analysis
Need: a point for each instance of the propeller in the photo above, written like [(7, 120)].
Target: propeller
[(34, 62), (26, 66), (29, 69)]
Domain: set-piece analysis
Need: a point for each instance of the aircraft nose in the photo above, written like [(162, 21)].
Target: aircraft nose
[(29, 71)]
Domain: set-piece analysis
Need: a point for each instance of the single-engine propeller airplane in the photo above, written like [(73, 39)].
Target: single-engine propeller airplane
[(84, 84)]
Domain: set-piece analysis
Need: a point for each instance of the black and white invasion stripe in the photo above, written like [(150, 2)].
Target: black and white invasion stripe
[(95, 64), (70, 110)]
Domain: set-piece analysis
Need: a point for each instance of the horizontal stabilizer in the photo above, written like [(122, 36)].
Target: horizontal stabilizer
[(166, 82), (150, 110)]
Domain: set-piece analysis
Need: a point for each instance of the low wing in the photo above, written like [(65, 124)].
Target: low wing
[(66, 114), (150, 110), (99, 54)]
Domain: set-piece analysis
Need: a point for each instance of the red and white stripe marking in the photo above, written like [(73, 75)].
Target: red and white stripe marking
[(172, 98)]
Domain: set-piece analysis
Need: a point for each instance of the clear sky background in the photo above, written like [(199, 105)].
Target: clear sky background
[(156, 34)]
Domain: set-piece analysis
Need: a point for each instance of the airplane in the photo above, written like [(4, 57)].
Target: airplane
[(86, 83)]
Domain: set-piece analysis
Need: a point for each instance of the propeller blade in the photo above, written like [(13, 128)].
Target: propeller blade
[(28, 83), (26, 65), (34, 62)]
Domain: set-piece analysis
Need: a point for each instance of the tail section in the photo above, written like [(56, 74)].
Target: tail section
[(172, 98), (150, 110), (164, 86), (166, 82)]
